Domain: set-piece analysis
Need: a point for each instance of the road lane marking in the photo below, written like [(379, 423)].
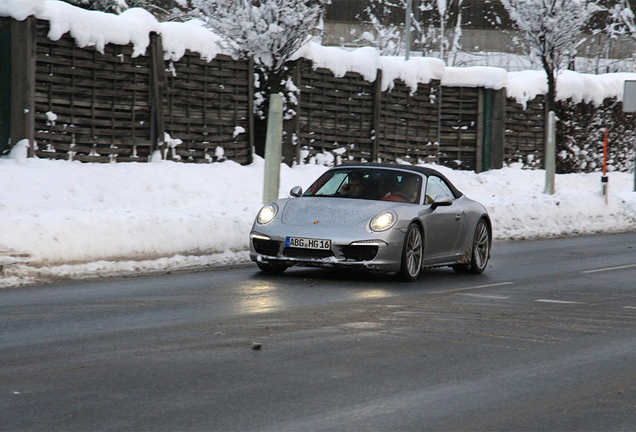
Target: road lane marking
[(556, 301), (629, 307), (609, 269), (485, 296), (471, 288)]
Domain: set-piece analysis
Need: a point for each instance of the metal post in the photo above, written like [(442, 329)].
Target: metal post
[(629, 106), (604, 178), (635, 159), (550, 154), (407, 29), (273, 148)]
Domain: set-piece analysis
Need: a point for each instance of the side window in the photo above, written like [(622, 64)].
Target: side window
[(435, 187)]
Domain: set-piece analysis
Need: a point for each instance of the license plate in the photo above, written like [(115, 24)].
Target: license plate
[(307, 243)]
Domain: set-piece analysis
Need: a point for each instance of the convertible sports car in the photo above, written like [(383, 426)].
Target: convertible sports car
[(387, 218)]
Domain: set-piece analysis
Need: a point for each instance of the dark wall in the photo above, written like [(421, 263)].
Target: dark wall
[(5, 84)]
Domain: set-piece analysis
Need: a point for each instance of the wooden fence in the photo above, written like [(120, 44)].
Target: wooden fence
[(80, 104), (356, 120), (209, 105), (89, 106), (111, 107), (525, 132)]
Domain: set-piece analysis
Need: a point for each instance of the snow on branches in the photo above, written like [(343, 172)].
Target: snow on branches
[(552, 30), (621, 20), (269, 31), (436, 25), (112, 6)]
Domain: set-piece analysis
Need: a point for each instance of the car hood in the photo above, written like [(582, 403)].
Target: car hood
[(330, 212)]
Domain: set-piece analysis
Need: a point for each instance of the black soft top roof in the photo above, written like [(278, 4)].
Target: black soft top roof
[(418, 169)]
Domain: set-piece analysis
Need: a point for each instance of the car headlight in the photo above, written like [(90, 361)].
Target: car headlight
[(267, 214), (384, 221)]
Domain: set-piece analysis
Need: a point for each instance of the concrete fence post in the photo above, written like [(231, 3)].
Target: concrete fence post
[(550, 154), (273, 148)]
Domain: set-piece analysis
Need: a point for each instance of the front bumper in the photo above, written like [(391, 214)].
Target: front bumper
[(374, 251)]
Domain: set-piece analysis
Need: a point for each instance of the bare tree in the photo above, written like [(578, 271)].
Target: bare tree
[(386, 36), (439, 38), (621, 21), (114, 6), (553, 31), (267, 31)]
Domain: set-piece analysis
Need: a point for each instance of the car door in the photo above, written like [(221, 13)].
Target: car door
[(443, 223)]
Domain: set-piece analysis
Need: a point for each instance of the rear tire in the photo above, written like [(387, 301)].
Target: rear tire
[(412, 254), (272, 268), (480, 253)]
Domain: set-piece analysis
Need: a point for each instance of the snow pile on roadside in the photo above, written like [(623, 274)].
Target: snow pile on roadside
[(72, 219), (520, 210), (66, 212)]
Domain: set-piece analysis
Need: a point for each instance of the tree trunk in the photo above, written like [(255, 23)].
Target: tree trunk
[(269, 85), (550, 71)]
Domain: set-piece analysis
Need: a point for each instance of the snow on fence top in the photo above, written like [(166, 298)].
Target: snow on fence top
[(526, 85), (478, 76), (98, 29), (92, 28), (366, 61)]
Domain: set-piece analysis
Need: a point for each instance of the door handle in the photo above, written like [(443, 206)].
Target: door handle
[(458, 216)]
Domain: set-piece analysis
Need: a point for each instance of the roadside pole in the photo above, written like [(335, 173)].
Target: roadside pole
[(273, 148), (550, 154), (604, 179), (407, 30), (629, 106)]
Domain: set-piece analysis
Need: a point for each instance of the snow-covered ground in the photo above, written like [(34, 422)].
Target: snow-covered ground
[(72, 219)]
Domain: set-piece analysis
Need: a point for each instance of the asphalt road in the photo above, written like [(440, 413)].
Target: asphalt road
[(544, 340)]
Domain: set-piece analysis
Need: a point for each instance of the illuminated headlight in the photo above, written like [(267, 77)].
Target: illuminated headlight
[(383, 221), (267, 213)]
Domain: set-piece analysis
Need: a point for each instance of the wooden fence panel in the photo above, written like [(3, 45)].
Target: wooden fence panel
[(207, 105), (335, 113), (90, 106), (408, 124), (524, 140), (458, 135)]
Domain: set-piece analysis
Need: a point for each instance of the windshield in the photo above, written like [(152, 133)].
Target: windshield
[(373, 184)]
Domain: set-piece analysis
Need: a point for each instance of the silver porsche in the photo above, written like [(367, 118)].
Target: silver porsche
[(388, 218)]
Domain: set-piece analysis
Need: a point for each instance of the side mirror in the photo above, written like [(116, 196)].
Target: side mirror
[(296, 191), (441, 201)]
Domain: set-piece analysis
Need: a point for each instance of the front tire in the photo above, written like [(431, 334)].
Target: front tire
[(272, 268), (412, 254), (480, 253)]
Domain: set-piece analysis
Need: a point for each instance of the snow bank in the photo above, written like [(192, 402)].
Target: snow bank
[(77, 219), (520, 210), (66, 212)]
